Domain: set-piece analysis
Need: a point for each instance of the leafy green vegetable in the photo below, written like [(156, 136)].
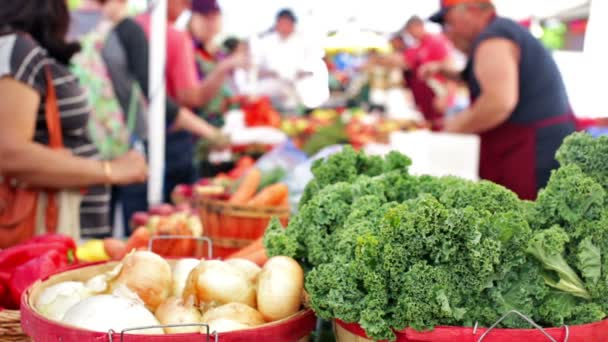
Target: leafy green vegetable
[(547, 246), (589, 260), (389, 250), (588, 153)]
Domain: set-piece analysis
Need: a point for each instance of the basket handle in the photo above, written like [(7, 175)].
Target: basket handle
[(183, 237), (201, 325), (525, 318)]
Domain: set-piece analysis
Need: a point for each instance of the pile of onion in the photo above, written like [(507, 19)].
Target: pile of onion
[(143, 290)]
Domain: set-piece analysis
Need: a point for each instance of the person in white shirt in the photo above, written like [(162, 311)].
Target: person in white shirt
[(291, 70)]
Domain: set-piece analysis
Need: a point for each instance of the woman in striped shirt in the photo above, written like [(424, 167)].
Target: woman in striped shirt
[(32, 39)]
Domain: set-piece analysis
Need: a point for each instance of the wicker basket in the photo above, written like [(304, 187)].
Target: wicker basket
[(10, 327), (232, 227)]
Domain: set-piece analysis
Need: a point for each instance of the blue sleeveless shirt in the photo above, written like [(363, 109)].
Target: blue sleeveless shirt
[(542, 93)]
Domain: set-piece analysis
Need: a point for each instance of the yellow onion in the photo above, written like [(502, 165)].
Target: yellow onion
[(175, 311), (148, 275), (280, 287), (214, 283), (56, 300), (181, 270), (236, 312), (109, 312), (249, 268)]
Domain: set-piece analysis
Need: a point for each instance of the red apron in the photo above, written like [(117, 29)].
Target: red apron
[(508, 155)]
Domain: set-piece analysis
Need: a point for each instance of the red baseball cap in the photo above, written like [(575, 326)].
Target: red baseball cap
[(439, 17)]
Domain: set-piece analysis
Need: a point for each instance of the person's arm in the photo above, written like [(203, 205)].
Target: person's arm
[(445, 68), (394, 60), (496, 68), (40, 166), (213, 82)]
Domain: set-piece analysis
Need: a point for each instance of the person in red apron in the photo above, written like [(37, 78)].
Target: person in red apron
[(520, 106), (429, 48)]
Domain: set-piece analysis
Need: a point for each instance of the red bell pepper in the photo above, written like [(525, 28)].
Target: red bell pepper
[(18, 255), (37, 258), (33, 270), (66, 240)]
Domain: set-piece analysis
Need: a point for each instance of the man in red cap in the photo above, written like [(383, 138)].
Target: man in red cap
[(430, 48), (520, 107)]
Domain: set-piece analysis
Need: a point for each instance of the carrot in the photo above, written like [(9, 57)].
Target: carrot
[(164, 246), (182, 247), (139, 238), (247, 188), (273, 195), (285, 203), (115, 249), (251, 248), (259, 257)]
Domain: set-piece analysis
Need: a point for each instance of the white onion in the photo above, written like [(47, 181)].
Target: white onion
[(223, 326), (108, 312), (236, 312), (175, 311), (215, 283), (56, 300), (148, 275), (249, 268), (280, 288), (181, 270)]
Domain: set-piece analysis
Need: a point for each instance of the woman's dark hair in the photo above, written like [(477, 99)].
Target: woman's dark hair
[(46, 21)]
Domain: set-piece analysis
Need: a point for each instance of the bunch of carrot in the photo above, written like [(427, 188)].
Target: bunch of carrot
[(117, 249), (255, 252), (247, 192), (165, 226)]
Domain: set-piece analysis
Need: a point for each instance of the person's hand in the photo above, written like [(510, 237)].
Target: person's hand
[(236, 61), (219, 140), (129, 169), (429, 70)]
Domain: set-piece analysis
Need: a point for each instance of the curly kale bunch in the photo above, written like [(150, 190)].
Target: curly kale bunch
[(588, 153), (422, 264), (347, 166), (389, 250)]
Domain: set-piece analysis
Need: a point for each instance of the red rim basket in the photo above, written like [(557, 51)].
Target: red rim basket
[(295, 328), (232, 227)]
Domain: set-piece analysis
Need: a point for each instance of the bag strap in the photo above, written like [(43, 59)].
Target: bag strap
[(51, 112), (53, 123)]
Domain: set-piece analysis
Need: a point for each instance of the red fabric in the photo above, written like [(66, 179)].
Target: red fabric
[(595, 332), (432, 48), (508, 157), (181, 68), (449, 3)]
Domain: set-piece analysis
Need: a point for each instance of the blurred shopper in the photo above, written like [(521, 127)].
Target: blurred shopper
[(291, 66), (428, 48), (214, 68), (115, 55), (520, 106), (84, 19), (34, 56)]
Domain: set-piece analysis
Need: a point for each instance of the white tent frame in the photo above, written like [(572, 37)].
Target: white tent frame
[(157, 96)]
